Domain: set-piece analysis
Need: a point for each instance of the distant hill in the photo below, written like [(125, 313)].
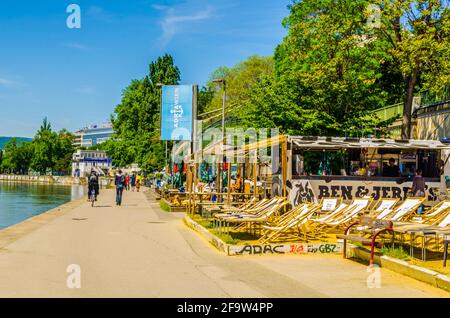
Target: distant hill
[(4, 140)]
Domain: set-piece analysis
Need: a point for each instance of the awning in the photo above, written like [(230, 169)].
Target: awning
[(344, 143)]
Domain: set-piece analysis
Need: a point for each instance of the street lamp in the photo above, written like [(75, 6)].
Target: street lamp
[(224, 84)]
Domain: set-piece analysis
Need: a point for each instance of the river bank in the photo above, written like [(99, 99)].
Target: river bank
[(22, 200), (62, 180), (14, 232)]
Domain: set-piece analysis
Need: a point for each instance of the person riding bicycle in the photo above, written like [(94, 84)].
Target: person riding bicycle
[(93, 185)]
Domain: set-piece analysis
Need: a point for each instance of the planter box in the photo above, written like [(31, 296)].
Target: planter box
[(264, 249)]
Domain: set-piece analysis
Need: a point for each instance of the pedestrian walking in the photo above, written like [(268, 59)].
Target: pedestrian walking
[(133, 182), (138, 183), (119, 181), (127, 182)]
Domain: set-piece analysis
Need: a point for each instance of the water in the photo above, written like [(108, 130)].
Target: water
[(20, 201)]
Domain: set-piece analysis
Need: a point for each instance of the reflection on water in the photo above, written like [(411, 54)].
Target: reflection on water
[(20, 201)]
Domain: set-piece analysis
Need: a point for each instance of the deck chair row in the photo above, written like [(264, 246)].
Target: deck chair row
[(314, 220)]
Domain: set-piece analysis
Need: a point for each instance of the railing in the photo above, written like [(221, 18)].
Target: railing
[(389, 112)]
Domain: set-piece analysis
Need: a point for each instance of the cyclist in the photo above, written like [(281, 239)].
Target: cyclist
[(93, 185)]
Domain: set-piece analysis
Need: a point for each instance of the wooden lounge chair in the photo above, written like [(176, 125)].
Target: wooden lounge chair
[(445, 222), (263, 214), (289, 215), (352, 211), (329, 205), (437, 213), (253, 220), (318, 228), (383, 205), (333, 215), (275, 231), (247, 205), (257, 209), (404, 211)]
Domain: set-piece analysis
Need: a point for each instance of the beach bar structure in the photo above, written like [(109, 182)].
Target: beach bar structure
[(308, 169), (320, 167), (227, 163)]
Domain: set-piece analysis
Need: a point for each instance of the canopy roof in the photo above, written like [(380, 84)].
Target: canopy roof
[(342, 143), (318, 143)]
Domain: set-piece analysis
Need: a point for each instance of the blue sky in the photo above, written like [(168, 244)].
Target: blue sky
[(75, 76)]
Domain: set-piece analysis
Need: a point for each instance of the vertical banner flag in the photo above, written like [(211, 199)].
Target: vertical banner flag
[(176, 112)]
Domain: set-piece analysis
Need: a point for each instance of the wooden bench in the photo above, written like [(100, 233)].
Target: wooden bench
[(373, 226)]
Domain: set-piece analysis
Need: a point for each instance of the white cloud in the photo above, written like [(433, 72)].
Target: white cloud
[(77, 46), (159, 7), (96, 11), (86, 90), (172, 23), (100, 14), (8, 83)]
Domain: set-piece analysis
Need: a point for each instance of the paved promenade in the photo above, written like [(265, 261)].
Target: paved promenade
[(137, 250)]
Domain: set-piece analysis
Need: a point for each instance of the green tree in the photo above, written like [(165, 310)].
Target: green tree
[(17, 157), (45, 145), (64, 152), (23, 157), (240, 80), (330, 73), (205, 96), (418, 37), (8, 161)]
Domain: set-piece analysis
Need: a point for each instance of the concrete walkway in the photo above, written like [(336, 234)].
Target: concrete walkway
[(137, 250)]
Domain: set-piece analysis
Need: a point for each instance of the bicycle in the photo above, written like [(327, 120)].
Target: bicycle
[(92, 197)]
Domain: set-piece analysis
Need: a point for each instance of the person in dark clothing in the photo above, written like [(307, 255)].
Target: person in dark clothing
[(418, 188), (133, 182), (418, 185), (119, 181), (392, 170), (93, 184)]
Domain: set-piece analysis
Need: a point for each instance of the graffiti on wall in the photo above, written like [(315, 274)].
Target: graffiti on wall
[(273, 249)]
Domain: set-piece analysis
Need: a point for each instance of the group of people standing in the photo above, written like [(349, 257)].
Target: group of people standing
[(127, 183), (121, 181)]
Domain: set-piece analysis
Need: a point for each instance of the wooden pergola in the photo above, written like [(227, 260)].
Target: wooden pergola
[(243, 153)]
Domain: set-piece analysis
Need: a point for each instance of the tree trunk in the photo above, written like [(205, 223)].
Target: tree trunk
[(407, 106)]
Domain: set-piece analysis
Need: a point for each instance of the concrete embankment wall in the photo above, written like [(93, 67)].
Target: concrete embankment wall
[(64, 180)]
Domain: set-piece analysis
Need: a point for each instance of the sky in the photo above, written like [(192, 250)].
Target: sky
[(75, 76)]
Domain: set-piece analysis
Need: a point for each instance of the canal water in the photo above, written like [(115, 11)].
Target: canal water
[(20, 201)]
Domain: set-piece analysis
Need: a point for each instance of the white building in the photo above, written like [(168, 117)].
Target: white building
[(84, 161), (93, 135)]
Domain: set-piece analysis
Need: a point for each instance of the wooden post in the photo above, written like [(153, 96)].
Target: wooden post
[(195, 181), (255, 179), (284, 165), (218, 185), (229, 184), (188, 187)]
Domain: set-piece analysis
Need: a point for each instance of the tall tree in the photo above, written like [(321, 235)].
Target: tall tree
[(418, 34), (17, 157), (240, 79), (331, 71), (45, 148), (64, 152)]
